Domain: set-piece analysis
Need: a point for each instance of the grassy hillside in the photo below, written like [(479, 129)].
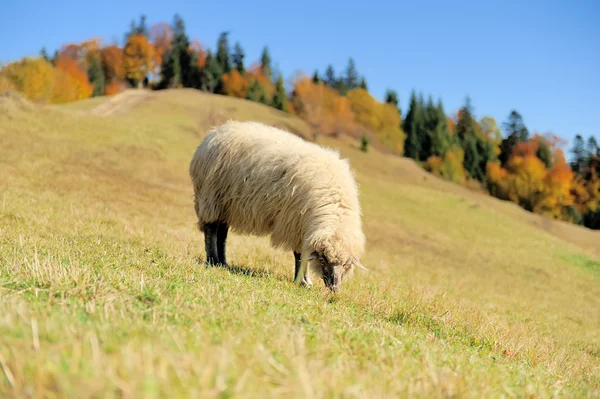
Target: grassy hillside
[(103, 291)]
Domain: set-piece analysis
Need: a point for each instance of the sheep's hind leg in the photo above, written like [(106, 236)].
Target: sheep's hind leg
[(210, 243), (222, 230), (305, 278)]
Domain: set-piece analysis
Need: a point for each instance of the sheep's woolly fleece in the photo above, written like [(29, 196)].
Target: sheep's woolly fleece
[(262, 180)]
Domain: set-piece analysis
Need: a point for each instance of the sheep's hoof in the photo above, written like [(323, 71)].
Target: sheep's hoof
[(306, 283)]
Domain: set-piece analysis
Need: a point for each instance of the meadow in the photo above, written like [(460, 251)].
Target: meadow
[(104, 293)]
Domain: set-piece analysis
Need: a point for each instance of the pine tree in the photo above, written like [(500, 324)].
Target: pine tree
[(330, 79), (475, 148), (238, 58), (351, 81), (443, 140), (592, 147), (579, 155), (96, 74), (279, 98), (340, 86), (516, 132), (211, 74), (176, 69), (265, 63), (413, 126), (222, 56), (140, 29), (316, 78), (391, 97), (363, 84), (436, 137), (257, 92), (44, 54), (544, 153)]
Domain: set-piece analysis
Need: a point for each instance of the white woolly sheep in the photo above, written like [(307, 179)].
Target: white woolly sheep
[(261, 180)]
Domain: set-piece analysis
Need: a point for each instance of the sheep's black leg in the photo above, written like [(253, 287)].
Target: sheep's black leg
[(222, 230), (210, 243), (297, 258), (305, 279)]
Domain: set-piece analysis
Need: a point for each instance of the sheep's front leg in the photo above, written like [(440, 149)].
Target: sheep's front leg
[(210, 243), (301, 271)]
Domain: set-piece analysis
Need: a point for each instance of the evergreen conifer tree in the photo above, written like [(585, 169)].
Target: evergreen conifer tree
[(316, 78), (265, 62), (96, 74), (222, 55), (330, 79), (351, 81), (413, 126), (363, 84), (279, 98), (238, 58), (211, 74)]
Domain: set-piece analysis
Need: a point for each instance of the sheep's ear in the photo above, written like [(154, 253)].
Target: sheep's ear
[(357, 263)]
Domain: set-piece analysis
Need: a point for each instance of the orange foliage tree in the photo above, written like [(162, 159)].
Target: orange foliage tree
[(234, 84), (311, 100), (77, 75), (161, 35), (112, 63), (138, 58), (197, 49)]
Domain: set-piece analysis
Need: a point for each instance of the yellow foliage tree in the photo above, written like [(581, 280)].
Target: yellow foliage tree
[(34, 77), (381, 119), (138, 58)]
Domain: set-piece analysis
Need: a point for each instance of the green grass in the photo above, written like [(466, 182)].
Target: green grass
[(103, 292)]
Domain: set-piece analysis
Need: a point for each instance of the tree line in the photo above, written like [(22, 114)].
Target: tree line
[(528, 169)]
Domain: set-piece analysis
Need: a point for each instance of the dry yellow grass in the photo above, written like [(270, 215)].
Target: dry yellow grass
[(102, 293)]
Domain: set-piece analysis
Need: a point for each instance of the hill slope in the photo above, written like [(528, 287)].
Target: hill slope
[(102, 292)]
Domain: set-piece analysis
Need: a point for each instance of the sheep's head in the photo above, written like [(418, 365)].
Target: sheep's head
[(333, 266)]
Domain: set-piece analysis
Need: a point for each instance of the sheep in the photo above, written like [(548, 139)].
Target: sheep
[(260, 180)]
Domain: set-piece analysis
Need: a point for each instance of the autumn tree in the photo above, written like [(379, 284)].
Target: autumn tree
[(380, 119), (161, 35), (112, 63), (77, 75), (34, 77), (309, 101), (138, 58), (234, 84)]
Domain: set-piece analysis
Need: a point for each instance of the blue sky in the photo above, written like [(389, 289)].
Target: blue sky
[(539, 57)]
